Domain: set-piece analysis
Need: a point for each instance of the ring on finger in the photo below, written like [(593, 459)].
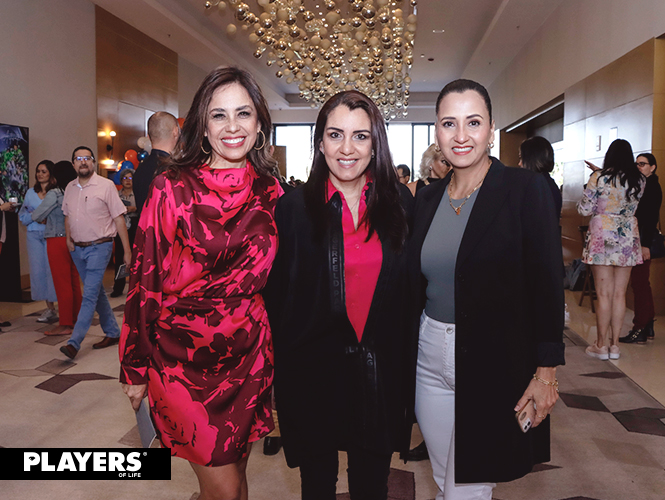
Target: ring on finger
[(543, 417)]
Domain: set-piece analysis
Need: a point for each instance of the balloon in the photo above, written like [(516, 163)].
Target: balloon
[(142, 155), (126, 164), (130, 155), (181, 122), (141, 142)]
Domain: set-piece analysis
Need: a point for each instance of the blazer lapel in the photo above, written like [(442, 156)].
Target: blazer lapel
[(490, 197)]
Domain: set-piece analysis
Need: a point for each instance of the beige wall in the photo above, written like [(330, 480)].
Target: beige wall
[(578, 39), (47, 56)]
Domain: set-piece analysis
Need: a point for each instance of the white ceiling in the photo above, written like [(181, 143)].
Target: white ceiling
[(480, 38)]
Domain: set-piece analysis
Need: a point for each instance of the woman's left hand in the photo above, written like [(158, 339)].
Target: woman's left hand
[(544, 396)]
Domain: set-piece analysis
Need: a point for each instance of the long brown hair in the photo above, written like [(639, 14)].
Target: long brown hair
[(193, 130), (384, 210), (52, 182)]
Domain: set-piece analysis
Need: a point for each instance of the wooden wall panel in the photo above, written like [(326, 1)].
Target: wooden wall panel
[(136, 76)]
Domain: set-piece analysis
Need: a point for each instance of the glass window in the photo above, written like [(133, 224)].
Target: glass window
[(401, 144), (421, 141), (298, 142)]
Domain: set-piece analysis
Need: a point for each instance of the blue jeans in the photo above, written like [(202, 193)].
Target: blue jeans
[(91, 263)]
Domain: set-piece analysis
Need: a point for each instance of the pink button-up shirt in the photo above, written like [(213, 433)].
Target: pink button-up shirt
[(362, 262), (91, 208)]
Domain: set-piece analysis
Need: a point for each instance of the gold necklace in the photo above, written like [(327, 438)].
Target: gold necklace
[(450, 196)]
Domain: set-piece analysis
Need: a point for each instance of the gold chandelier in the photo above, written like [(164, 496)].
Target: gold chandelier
[(334, 45)]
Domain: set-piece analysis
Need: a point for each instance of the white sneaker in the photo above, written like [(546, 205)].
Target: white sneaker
[(47, 316), (614, 352), (598, 352)]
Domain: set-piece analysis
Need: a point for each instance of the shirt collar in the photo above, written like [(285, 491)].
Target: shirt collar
[(91, 182), (331, 189)]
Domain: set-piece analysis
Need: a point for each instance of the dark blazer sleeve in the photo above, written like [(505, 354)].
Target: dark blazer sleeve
[(648, 211), (543, 259)]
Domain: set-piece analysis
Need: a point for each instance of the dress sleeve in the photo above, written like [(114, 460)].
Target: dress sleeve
[(151, 259), (543, 272), (47, 205), (589, 199)]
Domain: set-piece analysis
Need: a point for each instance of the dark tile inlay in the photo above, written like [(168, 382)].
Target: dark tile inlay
[(583, 402), (119, 308), (55, 340), (543, 467), (610, 375), (55, 366), (60, 383), (643, 421)]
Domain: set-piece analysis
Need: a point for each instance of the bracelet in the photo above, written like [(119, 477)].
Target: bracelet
[(554, 384)]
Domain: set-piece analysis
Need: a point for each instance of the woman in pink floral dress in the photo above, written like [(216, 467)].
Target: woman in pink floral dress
[(613, 241), (195, 336)]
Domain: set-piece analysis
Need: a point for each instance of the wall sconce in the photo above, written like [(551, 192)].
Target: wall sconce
[(108, 163)]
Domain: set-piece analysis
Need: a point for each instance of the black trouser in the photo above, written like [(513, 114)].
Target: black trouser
[(367, 471), (119, 285)]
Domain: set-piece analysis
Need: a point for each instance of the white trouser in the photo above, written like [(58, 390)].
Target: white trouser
[(435, 409)]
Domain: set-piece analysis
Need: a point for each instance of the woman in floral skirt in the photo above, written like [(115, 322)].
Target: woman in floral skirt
[(613, 241)]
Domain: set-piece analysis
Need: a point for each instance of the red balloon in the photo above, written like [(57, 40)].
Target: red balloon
[(131, 155), (181, 122)]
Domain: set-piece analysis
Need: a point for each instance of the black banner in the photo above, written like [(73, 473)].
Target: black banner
[(85, 463)]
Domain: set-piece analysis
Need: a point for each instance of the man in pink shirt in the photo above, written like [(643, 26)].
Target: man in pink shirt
[(94, 214)]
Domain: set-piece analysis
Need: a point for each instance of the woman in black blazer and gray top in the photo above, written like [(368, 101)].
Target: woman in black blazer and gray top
[(486, 257)]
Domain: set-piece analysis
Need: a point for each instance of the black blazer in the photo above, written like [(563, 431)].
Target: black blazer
[(509, 312), (332, 391), (648, 210), (144, 175)]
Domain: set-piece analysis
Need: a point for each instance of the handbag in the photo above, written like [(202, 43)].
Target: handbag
[(657, 247)]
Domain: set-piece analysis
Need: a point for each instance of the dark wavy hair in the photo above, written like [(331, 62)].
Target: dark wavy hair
[(462, 85), (620, 165), (51, 182), (385, 214), (537, 155), (64, 173), (651, 159), (193, 130)]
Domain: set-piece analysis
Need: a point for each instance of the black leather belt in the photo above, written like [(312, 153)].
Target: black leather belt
[(92, 243)]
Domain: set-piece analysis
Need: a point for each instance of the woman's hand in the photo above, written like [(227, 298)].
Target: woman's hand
[(135, 393), (591, 166), (544, 396), (646, 253)]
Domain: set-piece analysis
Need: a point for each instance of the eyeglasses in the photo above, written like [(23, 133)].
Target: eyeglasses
[(642, 164), (129, 177), (83, 158)]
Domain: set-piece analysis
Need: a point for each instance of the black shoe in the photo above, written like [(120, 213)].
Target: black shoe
[(116, 293), (69, 350), (272, 445), (5, 324), (649, 329), (418, 454), (635, 337)]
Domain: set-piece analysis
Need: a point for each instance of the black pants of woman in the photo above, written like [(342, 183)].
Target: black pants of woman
[(367, 471)]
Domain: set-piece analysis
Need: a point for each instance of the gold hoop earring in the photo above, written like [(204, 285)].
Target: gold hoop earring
[(207, 153), (264, 141)]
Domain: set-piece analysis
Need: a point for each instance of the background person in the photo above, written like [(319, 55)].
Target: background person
[(93, 216), (195, 335), (41, 282), (339, 363), (647, 215), (433, 166), (65, 276), (164, 134), (485, 254), (613, 241), (128, 198), (403, 173), (536, 154)]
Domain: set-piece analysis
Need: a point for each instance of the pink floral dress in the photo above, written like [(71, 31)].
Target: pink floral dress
[(195, 327), (613, 238)]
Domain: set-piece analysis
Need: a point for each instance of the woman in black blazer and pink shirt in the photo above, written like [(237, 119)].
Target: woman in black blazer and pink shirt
[(485, 254)]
